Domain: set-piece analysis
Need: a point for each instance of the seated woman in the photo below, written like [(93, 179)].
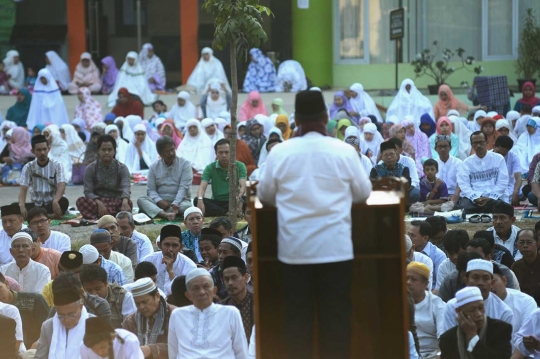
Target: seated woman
[(261, 74), (14, 69), (121, 144), (58, 149), (209, 126), (277, 107), (252, 106), (58, 69), (76, 146), (18, 113), (373, 140), (108, 77), (528, 144), (444, 127), (528, 97), (168, 128), (209, 69), (409, 101), (141, 153), (107, 187), (282, 122), (342, 126), (290, 77), (153, 68), (275, 134), (132, 77), (362, 103), (464, 134), (86, 75), (20, 153), (216, 100), (399, 132), (196, 146), (418, 140), (127, 104), (183, 110), (47, 105), (341, 102), (488, 128), (88, 108), (448, 102), (427, 125), (254, 138), (505, 129), (125, 131)]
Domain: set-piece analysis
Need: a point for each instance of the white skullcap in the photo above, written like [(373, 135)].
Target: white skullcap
[(184, 95), (233, 241), (480, 264), (207, 122), (191, 210), (110, 128), (408, 243), (89, 253), (139, 127), (468, 295), (143, 286), (20, 235), (195, 273)]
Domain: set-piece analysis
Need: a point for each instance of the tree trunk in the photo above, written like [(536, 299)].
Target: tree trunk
[(233, 180)]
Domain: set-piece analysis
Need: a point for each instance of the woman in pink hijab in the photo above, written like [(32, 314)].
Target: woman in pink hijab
[(448, 102), (252, 106), (20, 150)]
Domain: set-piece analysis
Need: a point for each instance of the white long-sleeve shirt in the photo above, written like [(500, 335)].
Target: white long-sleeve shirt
[(181, 266), (522, 306), (530, 326), (483, 177), (129, 348), (59, 241), (215, 332), (448, 172), (32, 278), (429, 319), (314, 180)]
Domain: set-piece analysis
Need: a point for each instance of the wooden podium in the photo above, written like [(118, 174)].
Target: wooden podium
[(380, 319)]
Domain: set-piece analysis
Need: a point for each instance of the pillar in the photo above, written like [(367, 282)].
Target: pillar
[(312, 40), (76, 28), (189, 26)]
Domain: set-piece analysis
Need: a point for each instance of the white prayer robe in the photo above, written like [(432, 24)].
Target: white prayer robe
[(5, 245), (530, 326), (32, 278), (448, 172), (59, 241), (429, 319), (129, 349), (12, 312), (144, 246), (216, 332), (124, 263), (445, 268), (522, 306), (182, 265), (483, 177), (494, 306), (47, 104), (208, 71)]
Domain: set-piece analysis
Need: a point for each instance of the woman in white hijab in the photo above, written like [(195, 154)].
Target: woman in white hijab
[(410, 101), (505, 129), (121, 144), (132, 77), (274, 133), (290, 77), (372, 139), (512, 117), (59, 150), (196, 147), (125, 130), (464, 135), (474, 125), (141, 153), (528, 144), (47, 103), (209, 126), (59, 69), (183, 110), (76, 146), (209, 69), (153, 68), (216, 100), (266, 122), (361, 101), (14, 69)]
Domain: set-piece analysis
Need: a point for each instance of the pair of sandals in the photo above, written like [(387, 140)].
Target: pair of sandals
[(484, 218)]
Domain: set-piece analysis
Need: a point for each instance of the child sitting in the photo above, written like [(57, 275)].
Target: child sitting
[(433, 190), (31, 78)]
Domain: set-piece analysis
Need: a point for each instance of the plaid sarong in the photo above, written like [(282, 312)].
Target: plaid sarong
[(492, 92), (89, 208)]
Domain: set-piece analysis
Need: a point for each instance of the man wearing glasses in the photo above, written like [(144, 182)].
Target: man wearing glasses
[(482, 178), (527, 269), (39, 223)]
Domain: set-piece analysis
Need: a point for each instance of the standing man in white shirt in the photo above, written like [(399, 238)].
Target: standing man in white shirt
[(311, 178), (482, 178), (448, 165), (41, 225), (126, 225)]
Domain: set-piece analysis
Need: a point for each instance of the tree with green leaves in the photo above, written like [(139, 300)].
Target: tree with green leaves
[(238, 24)]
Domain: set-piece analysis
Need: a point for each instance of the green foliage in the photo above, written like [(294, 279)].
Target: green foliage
[(528, 62), (237, 22), (429, 64)]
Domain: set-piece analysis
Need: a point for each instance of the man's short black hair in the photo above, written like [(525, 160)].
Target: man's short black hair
[(221, 142), (65, 282), (36, 212), (526, 109), (534, 233), (106, 138), (145, 270), (476, 133), (396, 141), (438, 224), (480, 243), (455, 240), (424, 227), (464, 258), (37, 140), (92, 272), (178, 290), (431, 162), (504, 142), (221, 221), (537, 226), (272, 141), (487, 235)]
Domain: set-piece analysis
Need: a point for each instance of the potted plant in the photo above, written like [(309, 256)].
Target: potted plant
[(427, 63), (528, 61)]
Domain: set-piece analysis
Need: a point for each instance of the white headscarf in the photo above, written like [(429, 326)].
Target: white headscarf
[(214, 108), (264, 151), (510, 117), (181, 114), (266, 122), (529, 145), (16, 71), (290, 71), (148, 149), (59, 150), (505, 124), (198, 150), (464, 137), (127, 132), (364, 102), (47, 103), (59, 69), (226, 115), (218, 135), (375, 144), (207, 71), (473, 125), (121, 145), (221, 123), (410, 103), (133, 78), (76, 146), (151, 65)]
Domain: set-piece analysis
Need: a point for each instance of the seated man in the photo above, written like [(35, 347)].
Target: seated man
[(121, 244), (12, 222), (503, 145), (169, 262), (126, 225), (10, 311), (70, 261), (390, 166), (499, 253), (224, 226), (107, 185), (504, 231), (169, 183), (455, 242), (217, 173), (467, 338), (94, 280), (32, 276), (244, 233), (420, 232), (482, 178), (448, 165), (228, 247), (46, 256), (92, 256), (193, 220), (41, 225), (433, 190), (526, 337), (414, 256), (438, 230), (455, 280), (46, 179), (117, 265), (225, 336), (145, 270), (414, 192), (527, 268), (151, 320), (209, 247)]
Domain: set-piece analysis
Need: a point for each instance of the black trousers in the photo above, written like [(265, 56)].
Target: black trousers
[(328, 287), (213, 208), (63, 202), (469, 206)]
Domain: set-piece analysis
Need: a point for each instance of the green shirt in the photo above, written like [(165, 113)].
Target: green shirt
[(220, 179)]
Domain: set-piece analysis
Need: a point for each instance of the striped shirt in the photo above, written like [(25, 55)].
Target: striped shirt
[(42, 181), (114, 272)]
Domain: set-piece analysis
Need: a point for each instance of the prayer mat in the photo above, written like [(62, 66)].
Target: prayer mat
[(66, 217)]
